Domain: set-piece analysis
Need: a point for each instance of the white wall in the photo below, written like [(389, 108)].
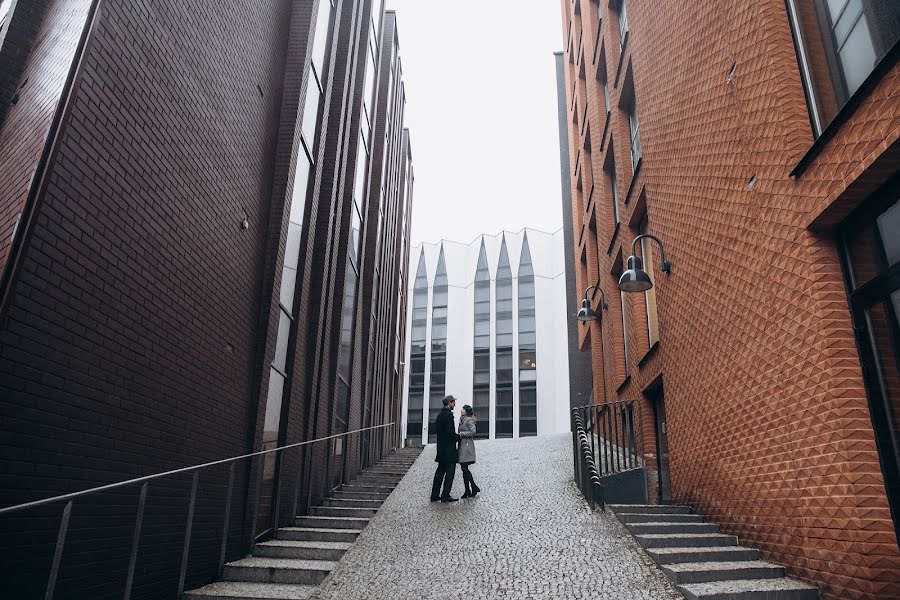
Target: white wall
[(551, 312)]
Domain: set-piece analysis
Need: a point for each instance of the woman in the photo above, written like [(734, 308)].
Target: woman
[(467, 449)]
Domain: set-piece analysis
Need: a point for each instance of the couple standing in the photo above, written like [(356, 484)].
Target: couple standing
[(448, 454)]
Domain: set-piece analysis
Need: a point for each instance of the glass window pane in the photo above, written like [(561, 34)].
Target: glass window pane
[(281, 341), (288, 283), (273, 408), (292, 246), (301, 181), (311, 113), (320, 41), (858, 56)]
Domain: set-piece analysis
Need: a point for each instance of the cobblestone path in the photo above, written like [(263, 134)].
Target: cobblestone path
[(528, 534)]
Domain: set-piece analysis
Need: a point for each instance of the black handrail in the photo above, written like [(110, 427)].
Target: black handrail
[(136, 532), (606, 439)]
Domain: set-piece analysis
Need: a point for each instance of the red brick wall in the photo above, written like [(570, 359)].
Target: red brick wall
[(769, 430)]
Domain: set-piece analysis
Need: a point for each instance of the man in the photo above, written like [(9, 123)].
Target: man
[(447, 452)]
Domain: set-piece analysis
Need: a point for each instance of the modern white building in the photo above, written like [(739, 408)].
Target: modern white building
[(488, 325)]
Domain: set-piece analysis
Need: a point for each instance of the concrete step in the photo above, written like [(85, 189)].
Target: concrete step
[(666, 556), (378, 480), (659, 518), (278, 570), (642, 528), (242, 590), (353, 495), (353, 503), (750, 589), (703, 572), (367, 488), (318, 534), (685, 540), (356, 523), (304, 550), (343, 511), (647, 509)]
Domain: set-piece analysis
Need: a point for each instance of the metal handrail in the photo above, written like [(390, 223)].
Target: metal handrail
[(16, 507), (145, 481)]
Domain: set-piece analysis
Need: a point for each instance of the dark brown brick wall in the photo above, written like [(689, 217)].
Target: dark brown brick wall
[(769, 428), (129, 343)]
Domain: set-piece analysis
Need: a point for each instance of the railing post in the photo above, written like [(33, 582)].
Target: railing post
[(608, 441), (58, 553), (187, 535), (227, 519), (135, 542)]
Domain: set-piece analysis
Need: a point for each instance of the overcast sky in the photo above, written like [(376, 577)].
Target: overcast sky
[(481, 108)]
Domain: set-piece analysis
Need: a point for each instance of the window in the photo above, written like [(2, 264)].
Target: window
[(614, 191), (649, 295), (623, 24), (417, 352), (504, 342), (635, 134), (438, 342), (320, 39), (481, 389), (839, 43), (311, 113)]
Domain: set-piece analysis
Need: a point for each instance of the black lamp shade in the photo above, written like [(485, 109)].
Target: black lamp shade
[(586, 313), (635, 279)]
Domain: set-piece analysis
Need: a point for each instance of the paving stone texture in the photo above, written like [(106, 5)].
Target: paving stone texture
[(528, 534)]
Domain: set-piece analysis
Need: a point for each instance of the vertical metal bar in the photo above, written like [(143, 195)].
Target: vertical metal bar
[(58, 553), (607, 447), (135, 542), (227, 518), (187, 535), (618, 441), (276, 490), (593, 411)]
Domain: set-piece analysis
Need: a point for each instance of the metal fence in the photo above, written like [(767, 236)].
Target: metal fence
[(68, 502), (606, 440)]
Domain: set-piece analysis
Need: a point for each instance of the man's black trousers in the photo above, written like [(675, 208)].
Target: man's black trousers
[(445, 472)]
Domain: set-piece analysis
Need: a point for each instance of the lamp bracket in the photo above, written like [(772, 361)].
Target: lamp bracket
[(666, 265)]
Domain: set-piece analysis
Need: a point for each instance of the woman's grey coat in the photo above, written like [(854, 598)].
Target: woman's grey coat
[(467, 441)]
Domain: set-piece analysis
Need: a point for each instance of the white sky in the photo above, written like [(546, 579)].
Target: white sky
[(481, 108)]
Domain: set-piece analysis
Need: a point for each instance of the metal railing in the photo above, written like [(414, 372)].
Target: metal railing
[(606, 440), (69, 500), (586, 476)]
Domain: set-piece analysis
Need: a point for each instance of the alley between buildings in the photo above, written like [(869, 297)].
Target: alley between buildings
[(528, 534)]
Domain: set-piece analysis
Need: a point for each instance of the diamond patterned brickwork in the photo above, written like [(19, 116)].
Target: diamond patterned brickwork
[(767, 417)]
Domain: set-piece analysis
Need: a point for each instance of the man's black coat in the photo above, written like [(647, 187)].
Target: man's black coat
[(446, 437)]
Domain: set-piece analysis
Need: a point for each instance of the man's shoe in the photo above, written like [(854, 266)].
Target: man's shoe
[(449, 499), (435, 499)]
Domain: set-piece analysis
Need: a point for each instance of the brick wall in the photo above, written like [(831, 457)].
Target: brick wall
[(769, 429), (129, 342)]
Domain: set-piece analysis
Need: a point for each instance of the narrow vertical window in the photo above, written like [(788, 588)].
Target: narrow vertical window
[(417, 352), (649, 295), (527, 345), (439, 302), (634, 132), (623, 24), (481, 390), (504, 346)]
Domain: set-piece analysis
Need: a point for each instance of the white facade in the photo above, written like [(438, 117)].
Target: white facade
[(545, 372)]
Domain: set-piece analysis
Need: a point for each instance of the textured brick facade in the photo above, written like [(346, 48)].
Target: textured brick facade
[(768, 422), (140, 302)]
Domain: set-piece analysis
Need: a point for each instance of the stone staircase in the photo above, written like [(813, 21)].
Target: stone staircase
[(704, 563), (291, 566)]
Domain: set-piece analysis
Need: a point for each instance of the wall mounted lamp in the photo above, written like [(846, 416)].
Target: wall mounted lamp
[(636, 279), (587, 313)]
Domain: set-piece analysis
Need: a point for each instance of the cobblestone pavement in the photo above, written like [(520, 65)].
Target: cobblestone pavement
[(528, 534)]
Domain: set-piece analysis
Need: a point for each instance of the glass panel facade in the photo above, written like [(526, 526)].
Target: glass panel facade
[(417, 352), (504, 366), (437, 386), (527, 346), (481, 392)]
